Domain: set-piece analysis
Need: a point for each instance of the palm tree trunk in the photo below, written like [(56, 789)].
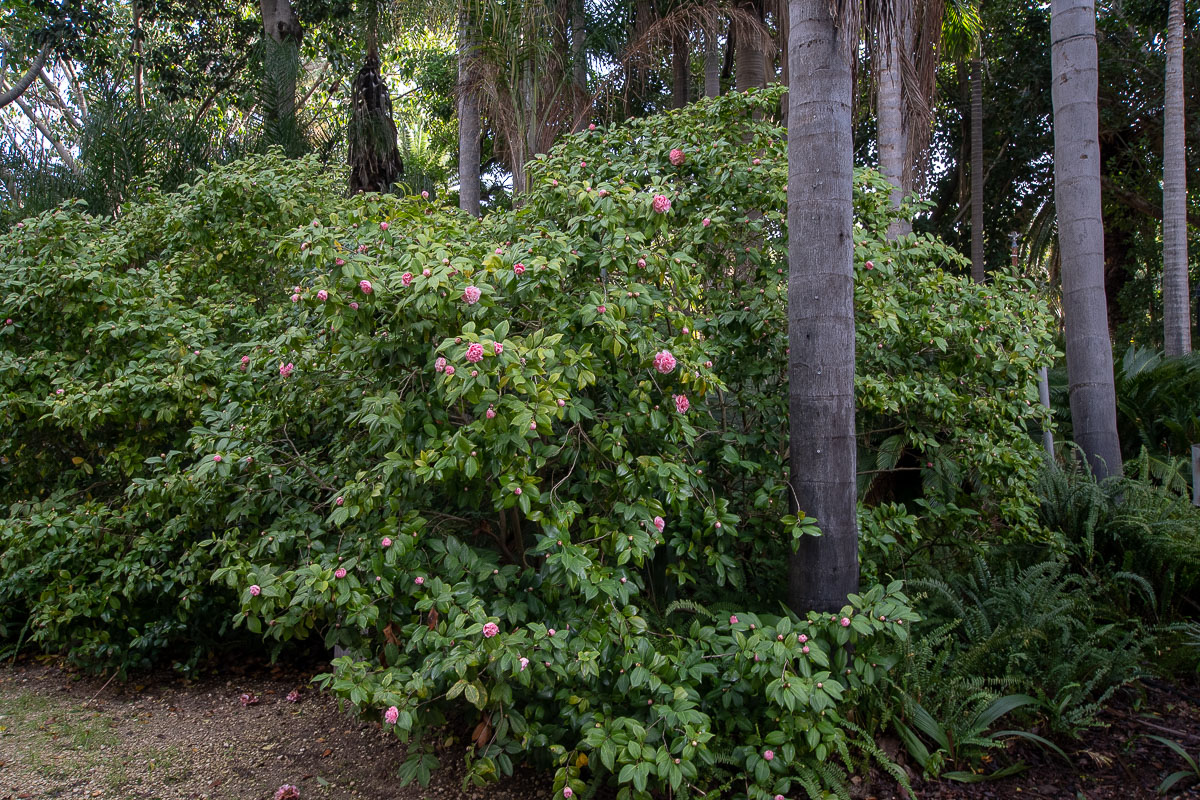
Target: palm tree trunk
[(712, 65), (1177, 324), (749, 71), (821, 307), (139, 92), (468, 123), (892, 134), (579, 64), (1081, 232), (282, 62), (978, 267), (681, 62)]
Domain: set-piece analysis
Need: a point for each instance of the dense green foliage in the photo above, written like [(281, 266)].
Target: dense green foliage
[(226, 410)]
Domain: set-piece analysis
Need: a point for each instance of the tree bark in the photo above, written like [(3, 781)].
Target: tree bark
[(18, 88), (749, 56), (44, 129), (978, 266), (579, 64), (1177, 322), (821, 307), (712, 65), (892, 134), (281, 61), (1081, 233), (469, 124), (139, 91), (681, 62)]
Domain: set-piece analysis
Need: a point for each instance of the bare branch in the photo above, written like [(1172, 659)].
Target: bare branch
[(20, 86)]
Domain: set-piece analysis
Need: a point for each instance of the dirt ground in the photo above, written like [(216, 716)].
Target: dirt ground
[(164, 738)]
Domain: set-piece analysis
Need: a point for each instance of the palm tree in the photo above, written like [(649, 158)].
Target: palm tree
[(1081, 232), (822, 43), (978, 267), (469, 124), (282, 66), (1177, 325)]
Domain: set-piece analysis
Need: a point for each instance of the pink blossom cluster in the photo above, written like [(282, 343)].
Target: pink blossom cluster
[(391, 715), (660, 523), (661, 204), (681, 403), (255, 590), (664, 362), (471, 295), (287, 369), (490, 629), (406, 279), (677, 157), (366, 286), (475, 353), (287, 792)]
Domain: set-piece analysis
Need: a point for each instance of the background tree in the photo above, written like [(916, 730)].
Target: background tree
[(1177, 321), (1081, 233), (822, 459)]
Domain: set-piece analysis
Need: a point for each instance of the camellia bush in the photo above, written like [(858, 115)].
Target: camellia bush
[(527, 472)]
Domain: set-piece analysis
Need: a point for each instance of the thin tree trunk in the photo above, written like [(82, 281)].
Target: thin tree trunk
[(80, 98), (1081, 232), (821, 308), (469, 124), (681, 62), (59, 101), (892, 134), (579, 63), (139, 91), (18, 88), (784, 74), (748, 70), (978, 267), (44, 129), (712, 65), (1177, 323)]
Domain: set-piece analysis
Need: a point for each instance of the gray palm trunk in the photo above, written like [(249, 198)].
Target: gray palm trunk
[(282, 62), (681, 63), (893, 137), (978, 266), (749, 58), (1081, 232), (468, 124), (579, 65), (1177, 324), (712, 65), (821, 306)]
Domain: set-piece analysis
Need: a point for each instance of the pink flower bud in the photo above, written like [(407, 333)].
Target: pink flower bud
[(340, 572), (385, 542), (255, 590), (419, 581), (366, 286), (768, 755)]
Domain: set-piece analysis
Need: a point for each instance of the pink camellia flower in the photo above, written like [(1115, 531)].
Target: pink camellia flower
[(533, 426), (354, 306), (517, 491), (660, 523), (681, 403), (8, 321), (551, 632), (293, 696), (567, 792), (490, 413), (217, 459), (554, 182), (676, 157), (519, 268), (245, 359), (870, 265), (427, 272), (497, 348), (780, 797), (255, 590), (471, 295), (802, 638), (804, 649), (383, 226), (366, 286), (406, 279), (425, 195), (845, 622), (708, 364), (591, 127), (391, 715), (768, 755), (449, 370), (295, 298), (641, 263), (474, 373), (600, 309), (583, 163), (287, 792), (664, 362), (340, 572), (561, 402), (757, 161), (339, 501), (419, 581), (385, 542), (706, 222), (524, 663), (603, 192), (490, 629), (322, 295), (475, 353), (439, 365), (339, 262), (733, 620), (286, 369), (248, 699), (661, 204)]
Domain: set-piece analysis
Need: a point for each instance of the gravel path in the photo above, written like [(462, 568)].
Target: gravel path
[(63, 736)]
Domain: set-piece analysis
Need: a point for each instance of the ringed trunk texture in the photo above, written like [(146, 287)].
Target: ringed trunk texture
[(1081, 233), (749, 56), (468, 124), (893, 137), (712, 65), (282, 60), (579, 65), (821, 307), (1177, 323), (681, 58), (978, 266)]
